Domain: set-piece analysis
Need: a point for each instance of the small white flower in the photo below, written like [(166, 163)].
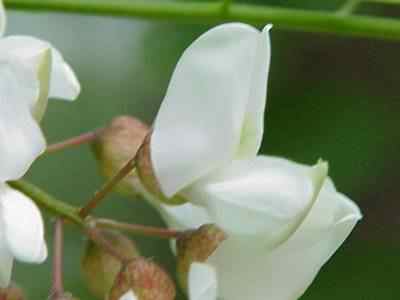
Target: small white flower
[(31, 70), (21, 232), (284, 220)]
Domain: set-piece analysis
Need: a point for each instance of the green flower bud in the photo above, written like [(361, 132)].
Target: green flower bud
[(196, 246), (148, 178), (145, 279), (116, 145), (100, 268), (12, 292)]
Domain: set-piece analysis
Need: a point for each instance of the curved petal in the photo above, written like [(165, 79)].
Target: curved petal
[(253, 125), (21, 140), (3, 19), (287, 271), (185, 216), (63, 82), (23, 226), (202, 282), (266, 196), (6, 262), (199, 124)]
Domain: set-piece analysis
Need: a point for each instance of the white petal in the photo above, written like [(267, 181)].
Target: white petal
[(21, 140), (185, 216), (129, 295), (3, 19), (202, 282), (253, 125), (23, 226), (63, 83), (198, 127), (270, 196), (6, 261), (247, 272)]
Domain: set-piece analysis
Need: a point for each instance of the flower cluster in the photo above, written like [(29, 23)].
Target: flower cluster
[(283, 220), (31, 71), (251, 226)]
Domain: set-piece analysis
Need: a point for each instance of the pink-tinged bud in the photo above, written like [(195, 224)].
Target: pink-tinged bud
[(116, 145), (147, 175), (101, 268), (145, 279), (12, 292), (196, 246)]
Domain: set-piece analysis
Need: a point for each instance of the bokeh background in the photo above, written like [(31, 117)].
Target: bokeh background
[(330, 97)]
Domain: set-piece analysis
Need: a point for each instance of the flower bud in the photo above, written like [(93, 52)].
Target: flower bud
[(100, 268), (12, 292), (147, 175), (196, 246), (116, 145), (145, 279)]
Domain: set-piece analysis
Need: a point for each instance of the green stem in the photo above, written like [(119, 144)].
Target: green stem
[(163, 233), (384, 1), (43, 199), (349, 7), (210, 12)]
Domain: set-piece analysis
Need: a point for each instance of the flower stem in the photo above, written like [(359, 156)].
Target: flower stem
[(348, 7), (210, 12), (396, 2), (139, 229), (225, 6), (107, 188), (58, 287), (48, 202), (74, 141)]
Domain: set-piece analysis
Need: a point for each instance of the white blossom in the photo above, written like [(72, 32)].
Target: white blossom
[(284, 220), (31, 70)]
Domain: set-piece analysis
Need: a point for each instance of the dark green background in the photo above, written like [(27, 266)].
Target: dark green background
[(329, 97)]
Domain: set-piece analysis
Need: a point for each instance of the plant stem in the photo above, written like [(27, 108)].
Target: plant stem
[(74, 141), (48, 202), (210, 12), (58, 287), (107, 188), (225, 6), (384, 1), (348, 7), (163, 233)]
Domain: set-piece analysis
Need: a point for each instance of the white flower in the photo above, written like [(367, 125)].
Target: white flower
[(21, 232), (31, 70), (284, 220)]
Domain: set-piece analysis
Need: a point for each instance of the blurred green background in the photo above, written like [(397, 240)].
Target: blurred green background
[(329, 97)]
